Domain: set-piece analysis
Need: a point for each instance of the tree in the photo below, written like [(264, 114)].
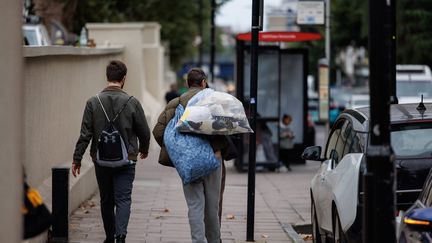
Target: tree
[(179, 19), (414, 42), (60, 10), (349, 20)]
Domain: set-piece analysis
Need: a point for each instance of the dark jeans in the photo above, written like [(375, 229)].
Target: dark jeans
[(286, 156), (115, 186)]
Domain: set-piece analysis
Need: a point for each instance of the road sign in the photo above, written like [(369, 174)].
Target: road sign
[(310, 13)]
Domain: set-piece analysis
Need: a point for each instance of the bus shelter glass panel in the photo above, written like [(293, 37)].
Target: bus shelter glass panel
[(267, 149), (267, 131), (292, 93), (268, 82)]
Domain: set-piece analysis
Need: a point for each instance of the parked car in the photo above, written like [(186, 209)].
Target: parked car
[(416, 225), (358, 101), (336, 189), (412, 81)]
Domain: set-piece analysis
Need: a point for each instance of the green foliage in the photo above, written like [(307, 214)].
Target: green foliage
[(178, 18), (349, 23), (414, 42)]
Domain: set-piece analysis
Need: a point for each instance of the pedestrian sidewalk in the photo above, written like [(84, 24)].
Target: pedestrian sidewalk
[(159, 211)]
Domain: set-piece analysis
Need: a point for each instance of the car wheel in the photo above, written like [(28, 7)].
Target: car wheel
[(316, 235), (338, 234)]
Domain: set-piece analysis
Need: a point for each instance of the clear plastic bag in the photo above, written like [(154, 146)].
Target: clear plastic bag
[(214, 113)]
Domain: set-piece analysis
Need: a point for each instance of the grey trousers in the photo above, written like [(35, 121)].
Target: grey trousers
[(115, 186), (202, 198)]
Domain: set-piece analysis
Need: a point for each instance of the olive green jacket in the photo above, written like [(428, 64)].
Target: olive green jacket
[(218, 143), (131, 123)]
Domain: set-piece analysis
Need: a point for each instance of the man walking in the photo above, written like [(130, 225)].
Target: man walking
[(202, 196), (114, 106)]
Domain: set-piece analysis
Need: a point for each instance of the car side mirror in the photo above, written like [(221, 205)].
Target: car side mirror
[(419, 219), (312, 153)]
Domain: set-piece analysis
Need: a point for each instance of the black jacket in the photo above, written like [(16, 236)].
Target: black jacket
[(131, 123)]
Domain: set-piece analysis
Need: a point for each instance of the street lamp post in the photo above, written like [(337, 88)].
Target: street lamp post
[(379, 186), (392, 29), (200, 33), (212, 40)]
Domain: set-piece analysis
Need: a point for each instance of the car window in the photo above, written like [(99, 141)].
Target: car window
[(347, 135), (428, 201), (412, 139), (341, 142), (426, 195), (334, 135), (357, 143)]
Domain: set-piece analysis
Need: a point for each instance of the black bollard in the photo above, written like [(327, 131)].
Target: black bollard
[(60, 204)]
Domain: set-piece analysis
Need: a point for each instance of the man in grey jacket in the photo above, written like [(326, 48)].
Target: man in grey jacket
[(115, 184)]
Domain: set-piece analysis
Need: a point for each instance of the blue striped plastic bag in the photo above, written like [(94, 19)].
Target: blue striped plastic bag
[(192, 155)]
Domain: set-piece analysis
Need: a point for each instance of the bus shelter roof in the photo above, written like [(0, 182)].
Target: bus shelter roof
[(281, 36)]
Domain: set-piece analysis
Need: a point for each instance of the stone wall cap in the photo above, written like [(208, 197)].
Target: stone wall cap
[(37, 51), (129, 25)]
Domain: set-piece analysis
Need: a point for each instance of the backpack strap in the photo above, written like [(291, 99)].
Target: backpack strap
[(103, 108), (118, 113), (123, 107)]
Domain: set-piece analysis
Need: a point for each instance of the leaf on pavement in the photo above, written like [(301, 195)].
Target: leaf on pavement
[(306, 237), (230, 216)]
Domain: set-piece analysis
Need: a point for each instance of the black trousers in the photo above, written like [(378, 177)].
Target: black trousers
[(286, 156), (115, 186)]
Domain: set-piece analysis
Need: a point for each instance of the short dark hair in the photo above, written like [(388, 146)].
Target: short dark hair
[(286, 116), (195, 76), (115, 71)]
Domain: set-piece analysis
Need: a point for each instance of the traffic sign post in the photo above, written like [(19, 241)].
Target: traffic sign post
[(256, 26)]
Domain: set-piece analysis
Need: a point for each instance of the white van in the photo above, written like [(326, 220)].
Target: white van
[(412, 81)]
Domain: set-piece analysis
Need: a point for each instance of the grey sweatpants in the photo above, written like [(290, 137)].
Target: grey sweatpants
[(202, 198)]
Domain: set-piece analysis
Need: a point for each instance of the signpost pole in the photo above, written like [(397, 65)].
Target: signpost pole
[(328, 57), (256, 21)]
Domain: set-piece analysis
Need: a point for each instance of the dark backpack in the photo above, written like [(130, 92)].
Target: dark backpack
[(111, 149)]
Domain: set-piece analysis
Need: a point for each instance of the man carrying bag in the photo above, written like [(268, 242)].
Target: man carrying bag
[(202, 196)]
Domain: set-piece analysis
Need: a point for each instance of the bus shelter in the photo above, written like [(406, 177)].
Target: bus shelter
[(282, 89)]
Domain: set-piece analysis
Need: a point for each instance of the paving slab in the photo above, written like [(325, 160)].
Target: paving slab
[(159, 211)]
